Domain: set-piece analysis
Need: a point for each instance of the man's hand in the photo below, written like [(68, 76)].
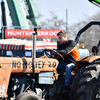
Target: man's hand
[(49, 50)]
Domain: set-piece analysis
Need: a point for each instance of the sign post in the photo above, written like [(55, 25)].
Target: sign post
[(34, 49)]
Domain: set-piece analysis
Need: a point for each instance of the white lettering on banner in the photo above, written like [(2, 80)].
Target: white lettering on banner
[(18, 33), (38, 33), (51, 33), (9, 32), (42, 33), (28, 33), (23, 32), (55, 33), (47, 33), (2, 88), (14, 33)]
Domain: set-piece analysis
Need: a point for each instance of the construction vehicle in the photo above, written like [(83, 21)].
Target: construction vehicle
[(85, 80)]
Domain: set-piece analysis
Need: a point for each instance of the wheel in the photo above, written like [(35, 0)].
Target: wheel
[(57, 55), (28, 96), (86, 83), (55, 94)]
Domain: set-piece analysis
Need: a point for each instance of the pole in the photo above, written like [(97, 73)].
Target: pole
[(34, 49), (3, 17), (66, 20)]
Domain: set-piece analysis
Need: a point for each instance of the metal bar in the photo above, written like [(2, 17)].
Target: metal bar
[(33, 14), (3, 18), (13, 12), (85, 28), (66, 20), (34, 49), (18, 27)]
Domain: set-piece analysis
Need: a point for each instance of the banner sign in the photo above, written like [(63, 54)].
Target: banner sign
[(28, 33)]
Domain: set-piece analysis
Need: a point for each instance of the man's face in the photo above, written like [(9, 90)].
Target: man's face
[(62, 38)]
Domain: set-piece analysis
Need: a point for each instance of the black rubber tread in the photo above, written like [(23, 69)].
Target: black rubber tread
[(28, 96), (86, 83)]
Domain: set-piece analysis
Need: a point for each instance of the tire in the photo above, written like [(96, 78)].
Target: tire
[(86, 83), (28, 96), (55, 92)]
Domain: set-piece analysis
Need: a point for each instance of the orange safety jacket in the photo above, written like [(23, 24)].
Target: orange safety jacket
[(69, 51)]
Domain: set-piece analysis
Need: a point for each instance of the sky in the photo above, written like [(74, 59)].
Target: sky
[(77, 10)]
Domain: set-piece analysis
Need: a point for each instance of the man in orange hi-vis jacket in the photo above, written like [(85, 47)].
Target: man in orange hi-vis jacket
[(68, 49)]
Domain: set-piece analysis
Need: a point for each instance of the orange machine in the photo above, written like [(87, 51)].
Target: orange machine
[(36, 78), (11, 66)]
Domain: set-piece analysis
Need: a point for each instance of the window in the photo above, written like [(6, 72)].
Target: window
[(28, 53), (8, 53), (47, 52)]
